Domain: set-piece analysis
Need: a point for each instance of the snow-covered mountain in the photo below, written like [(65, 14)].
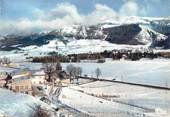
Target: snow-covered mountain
[(119, 32)]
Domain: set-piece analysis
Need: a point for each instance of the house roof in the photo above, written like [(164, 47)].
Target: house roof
[(17, 80)]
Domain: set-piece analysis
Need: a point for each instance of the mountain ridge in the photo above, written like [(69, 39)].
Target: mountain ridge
[(151, 32)]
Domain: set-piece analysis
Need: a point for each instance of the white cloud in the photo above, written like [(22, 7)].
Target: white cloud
[(100, 14), (63, 14), (66, 14), (129, 8)]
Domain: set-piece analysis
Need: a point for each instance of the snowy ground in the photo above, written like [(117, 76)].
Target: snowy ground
[(113, 99), (22, 105), (7, 69), (96, 106), (153, 72), (17, 105), (72, 47), (141, 97), (119, 100)]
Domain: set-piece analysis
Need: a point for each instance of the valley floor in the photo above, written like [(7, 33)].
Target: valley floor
[(113, 99), (100, 98)]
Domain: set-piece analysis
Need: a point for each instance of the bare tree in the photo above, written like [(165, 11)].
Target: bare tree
[(73, 71), (49, 69), (98, 72), (70, 71), (52, 70), (0, 61), (5, 61), (79, 71)]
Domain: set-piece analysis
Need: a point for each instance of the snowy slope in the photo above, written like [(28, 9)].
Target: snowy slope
[(135, 95), (146, 36), (128, 105), (128, 20), (78, 46), (135, 20), (96, 106), (117, 33), (17, 105)]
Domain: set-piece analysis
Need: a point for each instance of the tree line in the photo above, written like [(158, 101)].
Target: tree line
[(100, 57), (54, 71)]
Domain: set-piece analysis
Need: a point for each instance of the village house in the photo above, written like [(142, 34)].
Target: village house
[(21, 73), (18, 82), (21, 85), (38, 78), (2, 79)]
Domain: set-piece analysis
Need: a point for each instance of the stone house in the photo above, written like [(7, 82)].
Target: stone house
[(38, 78), (21, 85)]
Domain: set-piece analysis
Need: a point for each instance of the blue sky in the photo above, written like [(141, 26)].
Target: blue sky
[(14, 9), (36, 15)]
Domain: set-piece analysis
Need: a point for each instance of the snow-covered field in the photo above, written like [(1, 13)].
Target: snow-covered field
[(134, 97), (17, 105), (123, 100), (7, 69), (153, 72), (114, 99), (96, 106), (72, 47), (90, 46)]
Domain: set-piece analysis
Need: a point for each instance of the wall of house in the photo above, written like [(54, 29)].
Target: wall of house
[(23, 86), (37, 80)]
